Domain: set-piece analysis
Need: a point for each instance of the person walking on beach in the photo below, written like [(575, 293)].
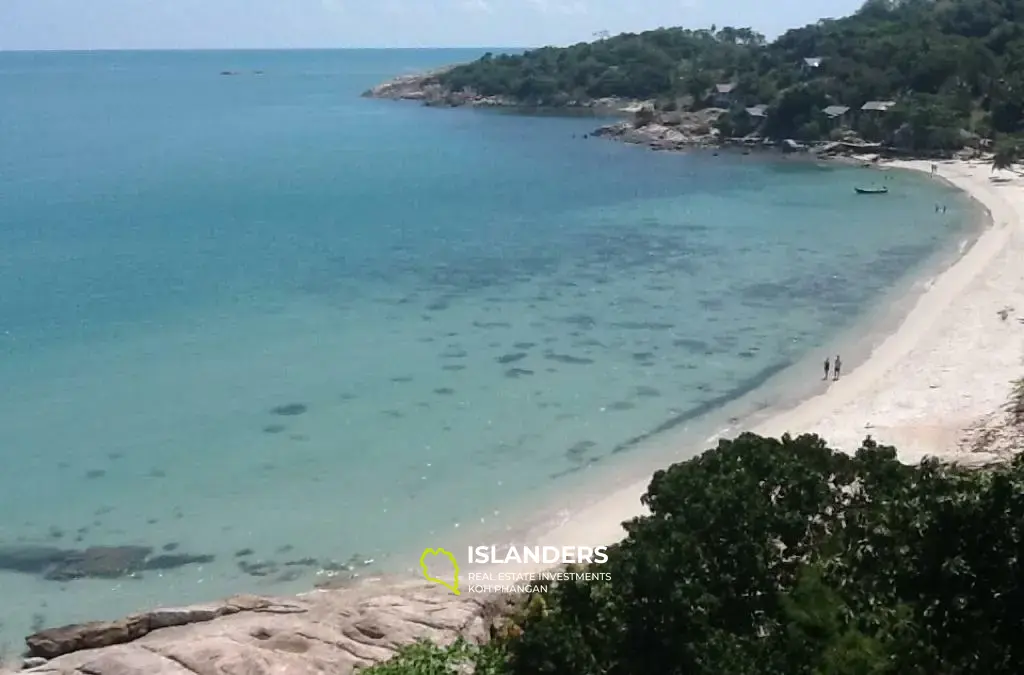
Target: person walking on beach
[(838, 367), (828, 366)]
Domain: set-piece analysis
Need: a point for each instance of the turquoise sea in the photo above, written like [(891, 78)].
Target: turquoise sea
[(264, 329)]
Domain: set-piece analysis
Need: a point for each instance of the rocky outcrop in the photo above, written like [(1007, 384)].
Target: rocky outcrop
[(417, 87), (427, 88), (323, 632), (667, 130)]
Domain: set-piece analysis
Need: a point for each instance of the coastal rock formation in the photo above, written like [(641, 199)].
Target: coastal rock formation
[(666, 131), (322, 632), (425, 87), (414, 87)]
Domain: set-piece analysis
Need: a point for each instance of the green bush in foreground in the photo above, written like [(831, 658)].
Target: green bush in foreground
[(767, 556), (425, 658)]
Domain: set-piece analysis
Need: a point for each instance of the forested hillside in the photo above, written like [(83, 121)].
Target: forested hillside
[(953, 68)]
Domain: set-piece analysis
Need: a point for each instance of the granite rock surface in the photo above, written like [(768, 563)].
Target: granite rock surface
[(333, 631)]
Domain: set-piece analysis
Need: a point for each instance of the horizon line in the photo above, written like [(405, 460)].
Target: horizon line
[(251, 49)]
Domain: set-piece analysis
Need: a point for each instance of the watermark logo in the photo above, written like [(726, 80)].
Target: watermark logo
[(490, 580), (431, 553)]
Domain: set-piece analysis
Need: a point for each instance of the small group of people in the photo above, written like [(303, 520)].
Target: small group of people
[(834, 366)]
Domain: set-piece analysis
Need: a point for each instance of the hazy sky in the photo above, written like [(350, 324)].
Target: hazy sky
[(167, 24)]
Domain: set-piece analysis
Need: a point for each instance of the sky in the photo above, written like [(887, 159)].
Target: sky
[(273, 24)]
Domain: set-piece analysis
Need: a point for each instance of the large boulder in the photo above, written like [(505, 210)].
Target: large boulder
[(323, 632)]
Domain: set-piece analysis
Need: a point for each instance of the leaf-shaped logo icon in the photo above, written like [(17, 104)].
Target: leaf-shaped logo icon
[(429, 555)]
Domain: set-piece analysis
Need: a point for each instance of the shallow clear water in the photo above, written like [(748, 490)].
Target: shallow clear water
[(464, 309)]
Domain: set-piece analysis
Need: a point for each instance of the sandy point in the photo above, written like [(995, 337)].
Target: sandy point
[(934, 387)]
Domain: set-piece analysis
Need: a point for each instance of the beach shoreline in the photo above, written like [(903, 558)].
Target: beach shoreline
[(588, 510), (938, 376)]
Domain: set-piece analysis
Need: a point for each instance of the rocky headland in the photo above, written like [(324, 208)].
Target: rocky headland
[(427, 89), (641, 122), (331, 631)]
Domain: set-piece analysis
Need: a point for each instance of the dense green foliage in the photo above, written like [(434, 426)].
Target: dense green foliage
[(783, 557), (424, 658), (955, 69)]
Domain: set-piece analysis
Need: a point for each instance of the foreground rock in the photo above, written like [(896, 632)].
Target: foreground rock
[(324, 632)]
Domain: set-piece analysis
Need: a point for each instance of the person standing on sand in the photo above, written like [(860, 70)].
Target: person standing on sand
[(827, 367), (839, 366)]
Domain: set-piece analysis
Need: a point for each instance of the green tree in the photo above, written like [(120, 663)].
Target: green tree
[(1006, 155)]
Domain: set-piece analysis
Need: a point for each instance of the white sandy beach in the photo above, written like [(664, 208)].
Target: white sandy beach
[(945, 371)]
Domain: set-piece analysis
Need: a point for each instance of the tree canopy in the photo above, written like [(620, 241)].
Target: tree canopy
[(954, 68), (783, 557)]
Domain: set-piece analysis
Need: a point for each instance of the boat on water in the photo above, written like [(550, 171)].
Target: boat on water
[(871, 190)]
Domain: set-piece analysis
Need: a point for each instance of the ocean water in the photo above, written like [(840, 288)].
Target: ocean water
[(271, 330)]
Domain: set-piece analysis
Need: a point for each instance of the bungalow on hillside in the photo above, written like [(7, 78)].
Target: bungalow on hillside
[(811, 63), (877, 106), (836, 114), (723, 95), (760, 110)]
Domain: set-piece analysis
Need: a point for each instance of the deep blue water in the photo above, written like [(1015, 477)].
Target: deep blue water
[(467, 309)]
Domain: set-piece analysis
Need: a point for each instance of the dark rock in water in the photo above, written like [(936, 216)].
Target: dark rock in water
[(258, 569), (567, 358), (100, 562), (274, 428), (172, 561), (444, 391), (454, 367), (243, 552), (95, 473), (31, 559), (524, 345), (643, 325), (402, 379), (517, 372), (579, 449), (621, 405), (698, 346), (580, 320), (643, 356), (491, 324), (173, 546), (289, 409), (512, 358), (647, 392), (302, 562)]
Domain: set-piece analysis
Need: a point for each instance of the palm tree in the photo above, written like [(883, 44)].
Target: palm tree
[(1005, 157)]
